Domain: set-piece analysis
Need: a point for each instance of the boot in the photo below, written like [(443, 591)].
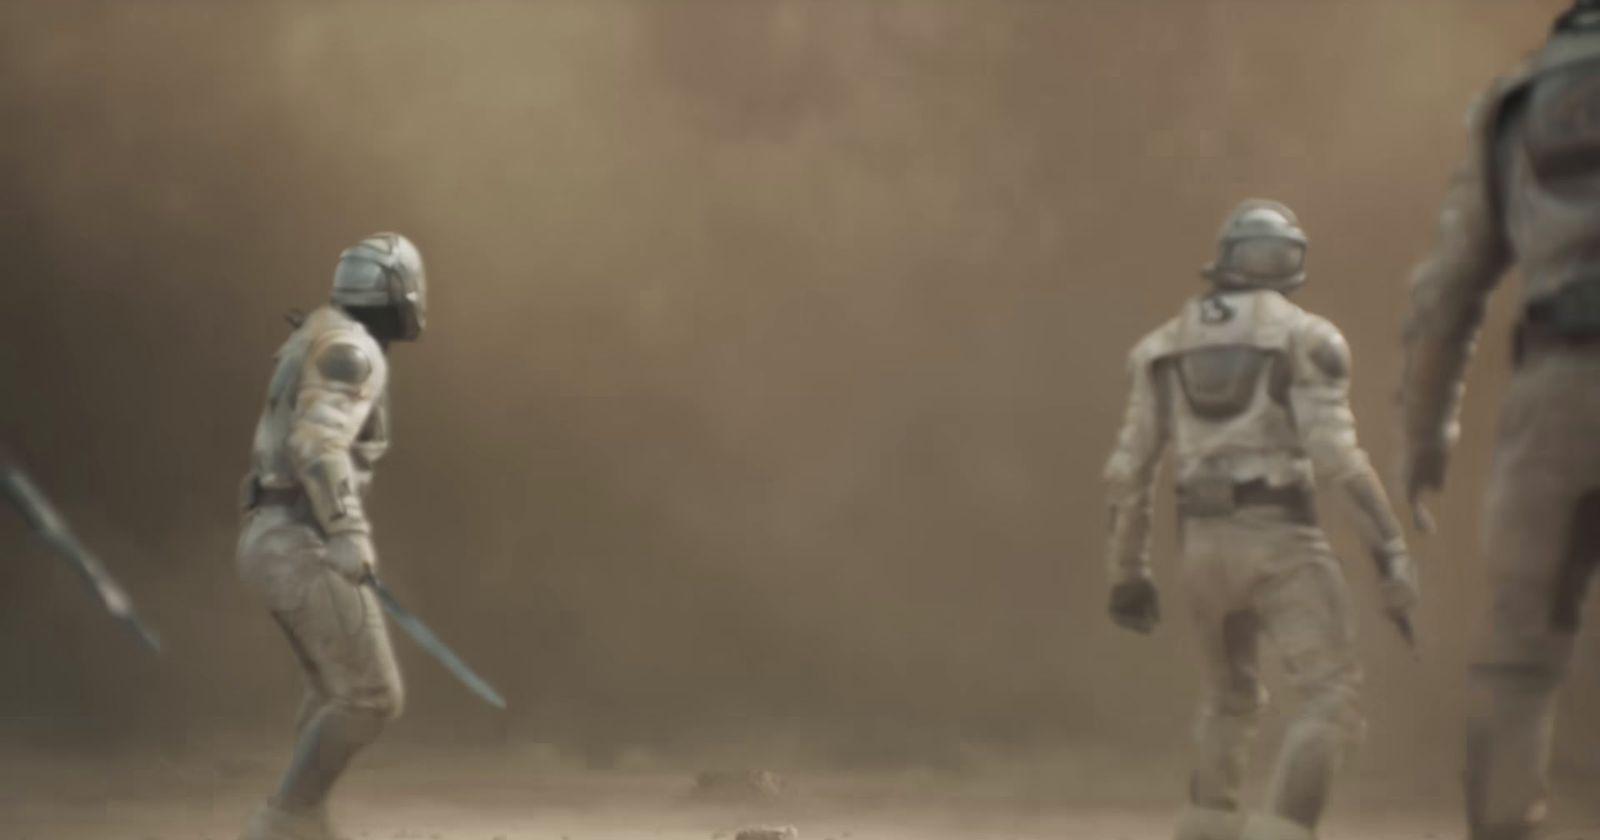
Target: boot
[(274, 822), (1198, 823), (1272, 827)]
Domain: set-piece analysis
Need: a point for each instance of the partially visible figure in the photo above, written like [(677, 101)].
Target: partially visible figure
[(1251, 392), (1528, 194), (306, 546), (53, 529)]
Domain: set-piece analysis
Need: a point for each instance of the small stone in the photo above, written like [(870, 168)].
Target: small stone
[(787, 832), (738, 786)]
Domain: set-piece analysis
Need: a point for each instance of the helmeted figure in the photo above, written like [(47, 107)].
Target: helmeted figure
[(1250, 392), (306, 544), (1529, 194)]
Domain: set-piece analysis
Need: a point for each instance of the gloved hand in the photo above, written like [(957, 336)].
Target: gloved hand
[(1422, 472), (1399, 593), (351, 555), (1399, 588), (1136, 605)]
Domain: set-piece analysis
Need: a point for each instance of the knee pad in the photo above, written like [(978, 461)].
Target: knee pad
[(1336, 707), (385, 699), (379, 706), (387, 704)]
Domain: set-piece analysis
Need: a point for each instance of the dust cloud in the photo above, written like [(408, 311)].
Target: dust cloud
[(775, 352)]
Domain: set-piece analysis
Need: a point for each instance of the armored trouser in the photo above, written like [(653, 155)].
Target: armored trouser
[(1542, 538), (1267, 571), (338, 634)]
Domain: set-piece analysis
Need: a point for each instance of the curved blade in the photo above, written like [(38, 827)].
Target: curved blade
[(435, 647)]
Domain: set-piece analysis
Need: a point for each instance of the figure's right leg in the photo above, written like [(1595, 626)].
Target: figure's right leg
[(1229, 714), (1541, 544), (1542, 554), (355, 689), (1305, 612), (353, 686)]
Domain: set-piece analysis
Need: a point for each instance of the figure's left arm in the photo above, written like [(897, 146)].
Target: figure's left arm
[(1448, 295)]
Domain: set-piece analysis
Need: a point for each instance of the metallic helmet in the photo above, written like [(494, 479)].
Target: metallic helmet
[(1261, 246), (1584, 16), (384, 271)]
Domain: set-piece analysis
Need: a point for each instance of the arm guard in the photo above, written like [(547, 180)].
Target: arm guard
[(1131, 472), (1320, 396), (342, 381), (1449, 291)]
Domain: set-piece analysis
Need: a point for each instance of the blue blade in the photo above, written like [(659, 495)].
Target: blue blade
[(435, 646)]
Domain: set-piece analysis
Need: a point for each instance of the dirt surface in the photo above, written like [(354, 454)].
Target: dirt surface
[(416, 794)]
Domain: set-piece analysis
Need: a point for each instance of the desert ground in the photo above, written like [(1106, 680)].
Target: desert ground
[(523, 794)]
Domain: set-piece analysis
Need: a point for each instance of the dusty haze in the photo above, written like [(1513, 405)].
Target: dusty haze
[(774, 354)]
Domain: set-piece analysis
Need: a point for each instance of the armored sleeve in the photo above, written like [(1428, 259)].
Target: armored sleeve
[(1449, 290), (1320, 397), (1130, 473), (343, 379)]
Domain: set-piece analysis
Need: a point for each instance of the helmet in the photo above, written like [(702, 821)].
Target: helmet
[(380, 281), (1584, 16), (1261, 246)]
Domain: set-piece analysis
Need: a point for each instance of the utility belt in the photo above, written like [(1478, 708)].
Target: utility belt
[(256, 495), (1210, 498), (1568, 318)]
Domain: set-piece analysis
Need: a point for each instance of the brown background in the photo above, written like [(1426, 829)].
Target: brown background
[(775, 350)]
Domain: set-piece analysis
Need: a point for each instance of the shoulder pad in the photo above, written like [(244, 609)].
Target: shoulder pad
[(1491, 112), (1325, 347), (1484, 112), (344, 362), (1154, 346)]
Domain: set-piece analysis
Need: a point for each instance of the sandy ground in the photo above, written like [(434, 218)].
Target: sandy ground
[(425, 795)]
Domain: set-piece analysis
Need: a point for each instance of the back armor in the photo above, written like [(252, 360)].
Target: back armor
[(1228, 355), (1547, 161)]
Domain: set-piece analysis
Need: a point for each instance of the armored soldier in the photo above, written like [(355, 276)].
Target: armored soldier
[(1251, 392), (1529, 193), (306, 546)]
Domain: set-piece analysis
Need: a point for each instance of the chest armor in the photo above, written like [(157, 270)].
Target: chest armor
[(1549, 157), (270, 455)]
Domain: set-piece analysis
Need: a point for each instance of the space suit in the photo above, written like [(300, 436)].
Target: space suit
[(306, 544), (1529, 195), (1251, 394)]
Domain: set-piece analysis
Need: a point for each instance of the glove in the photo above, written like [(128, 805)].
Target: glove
[(1398, 582), (1400, 592), (1136, 605), (1423, 472), (352, 556)]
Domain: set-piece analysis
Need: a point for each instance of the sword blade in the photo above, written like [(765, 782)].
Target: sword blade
[(151, 639), (430, 642), (52, 528)]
